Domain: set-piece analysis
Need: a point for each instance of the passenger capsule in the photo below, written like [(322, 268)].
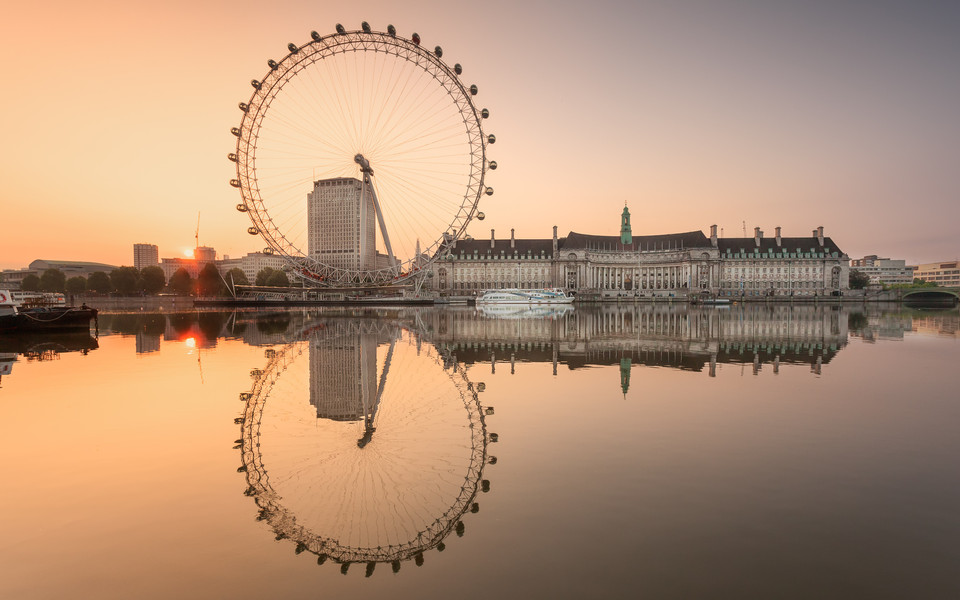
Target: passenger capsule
[(492, 165), (474, 90), (457, 69), (489, 191), (253, 231), (235, 183), (243, 106), (481, 216), (340, 28), (485, 113), (272, 64), (416, 38), (365, 27), (235, 131), (268, 250), (242, 207), (492, 139), (391, 30), (292, 48), (315, 36), (255, 84), (438, 51), (232, 157)]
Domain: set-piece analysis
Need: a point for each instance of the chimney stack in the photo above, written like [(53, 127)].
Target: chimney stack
[(820, 234), (757, 234), (513, 243), (554, 242), (493, 238), (778, 237), (713, 236)]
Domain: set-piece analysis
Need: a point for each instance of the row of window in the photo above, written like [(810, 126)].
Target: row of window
[(502, 256), (783, 254)]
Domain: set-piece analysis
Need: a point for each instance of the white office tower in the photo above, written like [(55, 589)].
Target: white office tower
[(341, 224)]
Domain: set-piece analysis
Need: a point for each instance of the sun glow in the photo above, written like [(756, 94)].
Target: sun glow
[(188, 252)]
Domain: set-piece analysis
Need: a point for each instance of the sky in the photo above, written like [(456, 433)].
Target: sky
[(116, 117)]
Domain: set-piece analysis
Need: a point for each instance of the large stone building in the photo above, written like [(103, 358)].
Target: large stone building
[(675, 264)]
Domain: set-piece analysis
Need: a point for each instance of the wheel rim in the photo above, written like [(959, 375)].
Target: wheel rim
[(368, 93)]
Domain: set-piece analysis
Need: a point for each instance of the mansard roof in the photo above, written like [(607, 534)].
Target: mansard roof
[(690, 239), (520, 246), (790, 244)]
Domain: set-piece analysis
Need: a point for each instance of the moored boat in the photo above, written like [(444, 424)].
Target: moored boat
[(520, 296), (14, 318)]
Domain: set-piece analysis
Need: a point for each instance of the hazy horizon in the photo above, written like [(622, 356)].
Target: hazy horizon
[(792, 114)]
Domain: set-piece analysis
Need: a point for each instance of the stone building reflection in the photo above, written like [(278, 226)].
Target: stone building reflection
[(676, 336)]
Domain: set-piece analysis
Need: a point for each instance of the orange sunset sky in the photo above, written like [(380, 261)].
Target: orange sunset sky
[(116, 117)]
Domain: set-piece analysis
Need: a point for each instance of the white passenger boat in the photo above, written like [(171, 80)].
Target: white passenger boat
[(518, 296)]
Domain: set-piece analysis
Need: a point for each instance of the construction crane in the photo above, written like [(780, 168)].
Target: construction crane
[(196, 235)]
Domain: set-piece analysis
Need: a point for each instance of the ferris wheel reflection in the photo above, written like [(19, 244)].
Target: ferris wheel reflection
[(362, 443)]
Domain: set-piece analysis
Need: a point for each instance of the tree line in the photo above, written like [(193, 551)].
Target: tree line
[(860, 280), (130, 281)]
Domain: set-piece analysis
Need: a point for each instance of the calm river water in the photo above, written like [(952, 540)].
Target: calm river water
[(644, 452)]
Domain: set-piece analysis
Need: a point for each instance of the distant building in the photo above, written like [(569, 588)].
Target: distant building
[(201, 256), (945, 274), (172, 265), (12, 278), (252, 263), (145, 255), (70, 268), (341, 224), (883, 270), (204, 255)]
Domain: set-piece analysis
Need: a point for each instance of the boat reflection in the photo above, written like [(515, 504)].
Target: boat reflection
[(362, 443), (38, 346), (524, 311)]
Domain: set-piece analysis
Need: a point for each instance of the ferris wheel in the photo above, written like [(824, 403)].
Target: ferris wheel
[(360, 156)]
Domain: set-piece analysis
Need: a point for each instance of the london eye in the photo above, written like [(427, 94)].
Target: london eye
[(360, 156)]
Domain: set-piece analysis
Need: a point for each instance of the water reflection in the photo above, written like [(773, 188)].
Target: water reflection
[(362, 443), (41, 346), (676, 336), (662, 335)]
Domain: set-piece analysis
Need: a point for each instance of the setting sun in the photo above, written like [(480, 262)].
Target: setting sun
[(188, 252)]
